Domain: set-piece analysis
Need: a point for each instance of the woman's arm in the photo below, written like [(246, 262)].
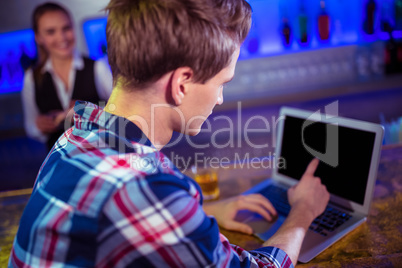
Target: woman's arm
[(31, 111)]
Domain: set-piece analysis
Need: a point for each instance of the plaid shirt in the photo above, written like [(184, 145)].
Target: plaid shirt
[(105, 197)]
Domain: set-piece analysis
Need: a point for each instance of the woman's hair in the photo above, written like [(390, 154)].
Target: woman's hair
[(149, 38), (37, 14)]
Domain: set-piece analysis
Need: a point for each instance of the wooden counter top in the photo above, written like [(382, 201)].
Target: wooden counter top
[(376, 243)]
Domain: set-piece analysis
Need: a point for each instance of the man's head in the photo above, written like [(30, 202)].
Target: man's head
[(149, 38)]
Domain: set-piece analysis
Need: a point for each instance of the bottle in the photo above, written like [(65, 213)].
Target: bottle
[(323, 22), (370, 17), (398, 14), (1, 75), (391, 51), (252, 43), (386, 18), (286, 32), (25, 60), (303, 25)]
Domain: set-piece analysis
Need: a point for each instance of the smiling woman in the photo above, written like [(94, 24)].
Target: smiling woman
[(55, 34), (60, 77)]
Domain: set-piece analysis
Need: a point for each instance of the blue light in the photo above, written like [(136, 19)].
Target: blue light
[(397, 34), (95, 35), (346, 25), (17, 50), (265, 39)]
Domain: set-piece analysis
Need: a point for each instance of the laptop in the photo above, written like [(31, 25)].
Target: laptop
[(349, 152)]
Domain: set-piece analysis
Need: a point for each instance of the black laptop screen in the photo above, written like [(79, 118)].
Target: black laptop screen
[(348, 178)]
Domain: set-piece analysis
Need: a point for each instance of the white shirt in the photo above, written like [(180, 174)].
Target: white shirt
[(103, 83)]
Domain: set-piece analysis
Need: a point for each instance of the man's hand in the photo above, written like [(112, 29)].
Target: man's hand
[(308, 199), (309, 194), (225, 211)]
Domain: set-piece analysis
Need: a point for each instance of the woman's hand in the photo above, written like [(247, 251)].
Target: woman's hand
[(49, 123), (59, 117), (225, 211), (46, 124)]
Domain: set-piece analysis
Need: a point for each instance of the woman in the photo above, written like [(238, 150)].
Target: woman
[(60, 77)]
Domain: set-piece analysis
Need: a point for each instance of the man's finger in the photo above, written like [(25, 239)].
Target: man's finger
[(262, 201), (257, 209), (238, 226), (312, 167)]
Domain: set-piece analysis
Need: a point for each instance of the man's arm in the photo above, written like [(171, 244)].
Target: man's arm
[(308, 200), (161, 222)]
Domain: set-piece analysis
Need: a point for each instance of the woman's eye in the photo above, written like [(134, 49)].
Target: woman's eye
[(50, 32), (67, 28)]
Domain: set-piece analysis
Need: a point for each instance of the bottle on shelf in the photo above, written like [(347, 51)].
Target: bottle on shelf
[(253, 44), (398, 14), (25, 60), (286, 32), (392, 63), (338, 19), (323, 22), (303, 25), (386, 16), (1, 75), (369, 23)]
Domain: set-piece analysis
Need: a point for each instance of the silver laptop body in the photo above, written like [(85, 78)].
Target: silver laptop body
[(350, 182)]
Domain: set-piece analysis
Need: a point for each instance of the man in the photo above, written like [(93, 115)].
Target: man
[(107, 197)]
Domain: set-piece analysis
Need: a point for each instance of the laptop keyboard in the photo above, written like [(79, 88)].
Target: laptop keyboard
[(327, 222), (278, 197)]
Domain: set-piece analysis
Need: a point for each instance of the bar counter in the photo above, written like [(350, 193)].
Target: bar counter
[(376, 243)]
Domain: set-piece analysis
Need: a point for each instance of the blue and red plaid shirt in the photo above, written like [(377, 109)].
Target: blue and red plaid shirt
[(105, 197)]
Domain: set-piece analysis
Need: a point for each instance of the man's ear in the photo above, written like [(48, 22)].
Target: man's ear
[(180, 83)]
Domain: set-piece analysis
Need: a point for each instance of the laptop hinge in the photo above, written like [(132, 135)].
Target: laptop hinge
[(340, 206)]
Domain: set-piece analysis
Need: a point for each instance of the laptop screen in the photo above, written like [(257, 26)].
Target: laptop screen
[(348, 178)]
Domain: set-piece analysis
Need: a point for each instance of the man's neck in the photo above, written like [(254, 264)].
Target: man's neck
[(147, 111)]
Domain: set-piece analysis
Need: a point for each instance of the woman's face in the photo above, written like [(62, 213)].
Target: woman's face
[(56, 34)]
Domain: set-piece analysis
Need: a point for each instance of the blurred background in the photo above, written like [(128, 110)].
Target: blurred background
[(300, 53)]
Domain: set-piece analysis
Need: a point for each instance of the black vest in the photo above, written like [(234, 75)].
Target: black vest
[(47, 99)]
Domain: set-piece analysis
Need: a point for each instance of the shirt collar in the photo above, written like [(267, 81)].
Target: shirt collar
[(89, 116), (78, 63)]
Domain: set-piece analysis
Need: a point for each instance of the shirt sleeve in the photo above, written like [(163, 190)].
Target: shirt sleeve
[(160, 222), (103, 79), (30, 108)]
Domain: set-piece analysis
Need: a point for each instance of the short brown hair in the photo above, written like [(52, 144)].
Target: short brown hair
[(149, 38)]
